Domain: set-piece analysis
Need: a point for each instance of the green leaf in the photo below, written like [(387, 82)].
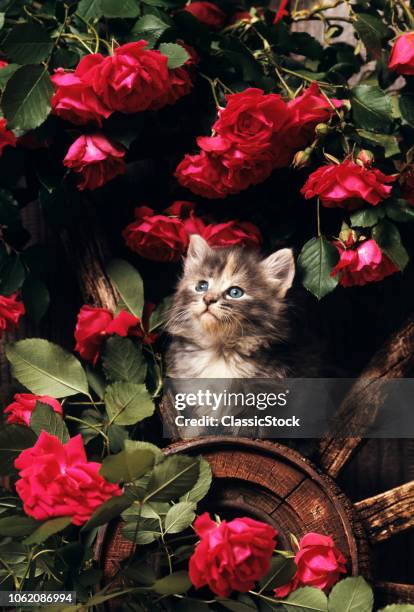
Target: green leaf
[(28, 43), (306, 598), (92, 419), (16, 526), (241, 606), (13, 439), (388, 239), (282, 570), (6, 73), (160, 314), (150, 28), (202, 485), (388, 142), (90, 9), (123, 361), (398, 608), (179, 517), (128, 465), (372, 108), (95, 381), (109, 510), (351, 595), (399, 210), (120, 8), (173, 478), (316, 261), (372, 31), (176, 583), (406, 103), (12, 272), (48, 529), (142, 524), (138, 444), (128, 403), (36, 298), (129, 284), (44, 418), (26, 98), (46, 369), (367, 217), (177, 55)]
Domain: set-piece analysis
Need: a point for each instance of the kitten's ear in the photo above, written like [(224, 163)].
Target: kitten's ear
[(197, 249), (280, 269)]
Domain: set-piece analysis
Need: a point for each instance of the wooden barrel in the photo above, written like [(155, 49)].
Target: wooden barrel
[(268, 482)]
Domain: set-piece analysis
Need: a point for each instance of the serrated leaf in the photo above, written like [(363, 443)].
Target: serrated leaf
[(142, 524), (48, 529), (400, 210), (6, 72), (44, 418), (128, 403), (123, 361), (138, 444), (202, 485), (150, 28), (109, 510), (372, 31), (176, 583), (388, 142), (179, 517), (316, 261), (177, 55), (36, 298), (46, 369), (128, 465), (17, 526), (388, 239), (26, 98), (129, 284), (282, 570), (306, 598), (160, 314), (90, 9), (372, 108), (120, 8), (172, 478), (13, 439), (28, 43), (367, 217), (351, 595)]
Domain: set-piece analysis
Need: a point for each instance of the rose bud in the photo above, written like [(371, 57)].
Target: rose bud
[(302, 158)]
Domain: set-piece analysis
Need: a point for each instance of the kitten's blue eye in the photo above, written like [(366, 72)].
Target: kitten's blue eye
[(202, 286), (235, 292)]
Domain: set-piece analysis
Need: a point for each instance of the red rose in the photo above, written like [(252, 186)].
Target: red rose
[(402, 54), (319, 564), (20, 411), (11, 309), (281, 11), (232, 233), (181, 80), (347, 184), (231, 556), (361, 265), (208, 13), (57, 480), (305, 112), (156, 237), (75, 99), (133, 79), (96, 159), (185, 211), (3, 64), (7, 138), (95, 324)]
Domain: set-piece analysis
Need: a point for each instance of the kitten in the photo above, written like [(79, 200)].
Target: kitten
[(229, 317)]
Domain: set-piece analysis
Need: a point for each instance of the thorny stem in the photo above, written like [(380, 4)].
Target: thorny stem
[(213, 88)]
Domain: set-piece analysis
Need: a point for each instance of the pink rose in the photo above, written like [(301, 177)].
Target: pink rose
[(319, 564), (57, 480), (11, 309), (362, 263), (20, 411), (133, 79), (231, 556), (208, 13), (347, 184), (95, 324), (402, 54), (75, 99), (96, 159), (156, 237), (232, 233)]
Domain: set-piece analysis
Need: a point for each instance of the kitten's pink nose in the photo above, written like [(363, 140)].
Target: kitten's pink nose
[(209, 298)]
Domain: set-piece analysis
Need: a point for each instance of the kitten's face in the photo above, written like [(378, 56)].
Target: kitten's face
[(226, 294)]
